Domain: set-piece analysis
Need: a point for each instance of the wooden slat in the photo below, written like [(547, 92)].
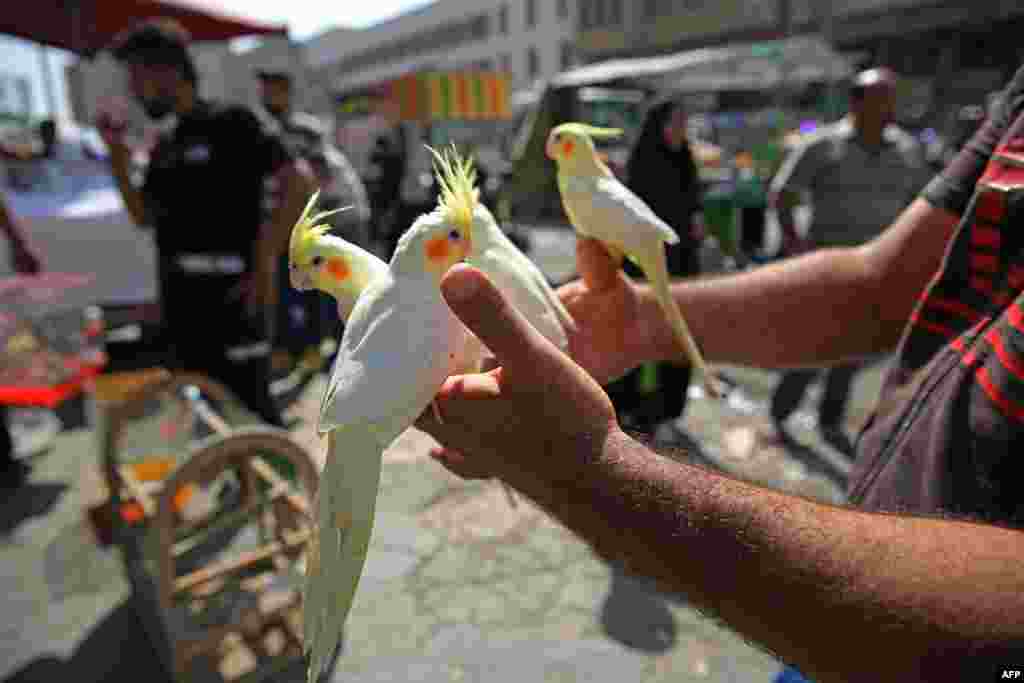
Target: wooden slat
[(137, 490), (212, 419), (201, 576), (267, 473)]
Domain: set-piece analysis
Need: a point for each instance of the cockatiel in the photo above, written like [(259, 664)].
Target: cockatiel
[(400, 343), (512, 272), (601, 207), (328, 263)]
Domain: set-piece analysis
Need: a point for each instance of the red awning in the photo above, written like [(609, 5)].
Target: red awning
[(87, 26)]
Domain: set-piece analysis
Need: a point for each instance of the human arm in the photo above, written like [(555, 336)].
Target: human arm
[(24, 256), (858, 299), (841, 594), (253, 143), (296, 183), (795, 177), (120, 167)]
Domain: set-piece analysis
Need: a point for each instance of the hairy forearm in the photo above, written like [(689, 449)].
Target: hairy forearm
[(815, 309), (821, 308), (120, 167), (843, 595)]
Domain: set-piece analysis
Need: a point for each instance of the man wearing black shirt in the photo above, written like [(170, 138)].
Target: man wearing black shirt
[(202, 194)]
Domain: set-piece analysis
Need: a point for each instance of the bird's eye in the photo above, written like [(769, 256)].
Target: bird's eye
[(317, 261), (454, 236)]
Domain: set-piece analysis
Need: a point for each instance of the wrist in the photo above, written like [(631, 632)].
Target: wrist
[(658, 342)]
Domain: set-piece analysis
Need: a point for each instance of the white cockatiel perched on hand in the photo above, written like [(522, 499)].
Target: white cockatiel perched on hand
[(601, 207), (401, 342), (493, 252)]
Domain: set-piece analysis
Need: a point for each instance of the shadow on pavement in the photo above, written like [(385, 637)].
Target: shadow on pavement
[(29, 500), (636, 616), (116, 649)]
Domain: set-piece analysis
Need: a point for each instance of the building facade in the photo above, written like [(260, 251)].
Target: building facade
[(528, 39), (952, 53)]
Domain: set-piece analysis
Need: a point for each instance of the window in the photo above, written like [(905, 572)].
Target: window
[(563, 9), (614, 15), (566, 60), (532, 63), (531, 13), (503, 20), (584, 15)]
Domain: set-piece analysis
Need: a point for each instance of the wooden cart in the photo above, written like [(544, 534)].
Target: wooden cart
[(213, 533)]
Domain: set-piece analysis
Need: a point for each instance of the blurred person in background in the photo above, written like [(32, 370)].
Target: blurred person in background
[(860, 173), (202, 195), (304, 319), (387, 169), (661, 171)]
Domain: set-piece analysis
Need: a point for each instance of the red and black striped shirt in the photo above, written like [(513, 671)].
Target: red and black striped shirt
[(948, 435)]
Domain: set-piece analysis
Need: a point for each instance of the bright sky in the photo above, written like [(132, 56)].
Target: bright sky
[(307, 17), (304, 17)]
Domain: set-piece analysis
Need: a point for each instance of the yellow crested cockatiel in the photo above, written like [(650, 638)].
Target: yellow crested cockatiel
[(511, 271), (401, 342), (601, 207)]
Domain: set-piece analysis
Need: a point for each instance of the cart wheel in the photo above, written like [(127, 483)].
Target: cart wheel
[(262, 571)]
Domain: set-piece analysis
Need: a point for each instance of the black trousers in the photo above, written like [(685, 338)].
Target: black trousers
[(6, 442), (832, 409), (208, 330)]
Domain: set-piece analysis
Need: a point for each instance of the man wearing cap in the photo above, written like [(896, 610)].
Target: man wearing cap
[(859, 173), (202, 196), (304, 318)]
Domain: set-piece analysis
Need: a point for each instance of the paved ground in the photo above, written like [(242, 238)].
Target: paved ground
[(458, 585)]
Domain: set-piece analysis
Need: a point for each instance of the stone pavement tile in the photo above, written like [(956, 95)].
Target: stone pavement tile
[(464, 654)]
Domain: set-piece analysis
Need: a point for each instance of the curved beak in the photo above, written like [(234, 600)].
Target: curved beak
[(299, 279), (549, 149)]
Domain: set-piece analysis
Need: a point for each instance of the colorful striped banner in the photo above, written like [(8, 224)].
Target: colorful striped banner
[(452, 95)]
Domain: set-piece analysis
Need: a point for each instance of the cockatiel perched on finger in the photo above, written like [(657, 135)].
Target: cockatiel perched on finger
[(401, 342), (601, 207), (494, 253)]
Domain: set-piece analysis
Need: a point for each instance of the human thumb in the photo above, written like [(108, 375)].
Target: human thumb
[(595, 265), (483, 309)]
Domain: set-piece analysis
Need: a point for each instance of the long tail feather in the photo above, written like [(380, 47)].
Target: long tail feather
[(346, 500), (656, 270)]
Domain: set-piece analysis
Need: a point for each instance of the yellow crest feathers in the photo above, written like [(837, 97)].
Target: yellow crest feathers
[(592, 131), (457, 179), (309, 227)]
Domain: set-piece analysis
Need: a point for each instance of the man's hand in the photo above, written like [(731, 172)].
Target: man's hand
[(616, 320), (112, 131), (536, 410)]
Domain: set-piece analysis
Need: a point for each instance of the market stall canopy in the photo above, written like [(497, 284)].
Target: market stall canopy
[(769, 64), (87, 26)]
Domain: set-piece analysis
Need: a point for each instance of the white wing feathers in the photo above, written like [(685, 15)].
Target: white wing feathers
[(610, 210)]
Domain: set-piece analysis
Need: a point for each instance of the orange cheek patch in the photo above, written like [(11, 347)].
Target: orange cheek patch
[(567, 147), (437, 249), (338, 269)]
